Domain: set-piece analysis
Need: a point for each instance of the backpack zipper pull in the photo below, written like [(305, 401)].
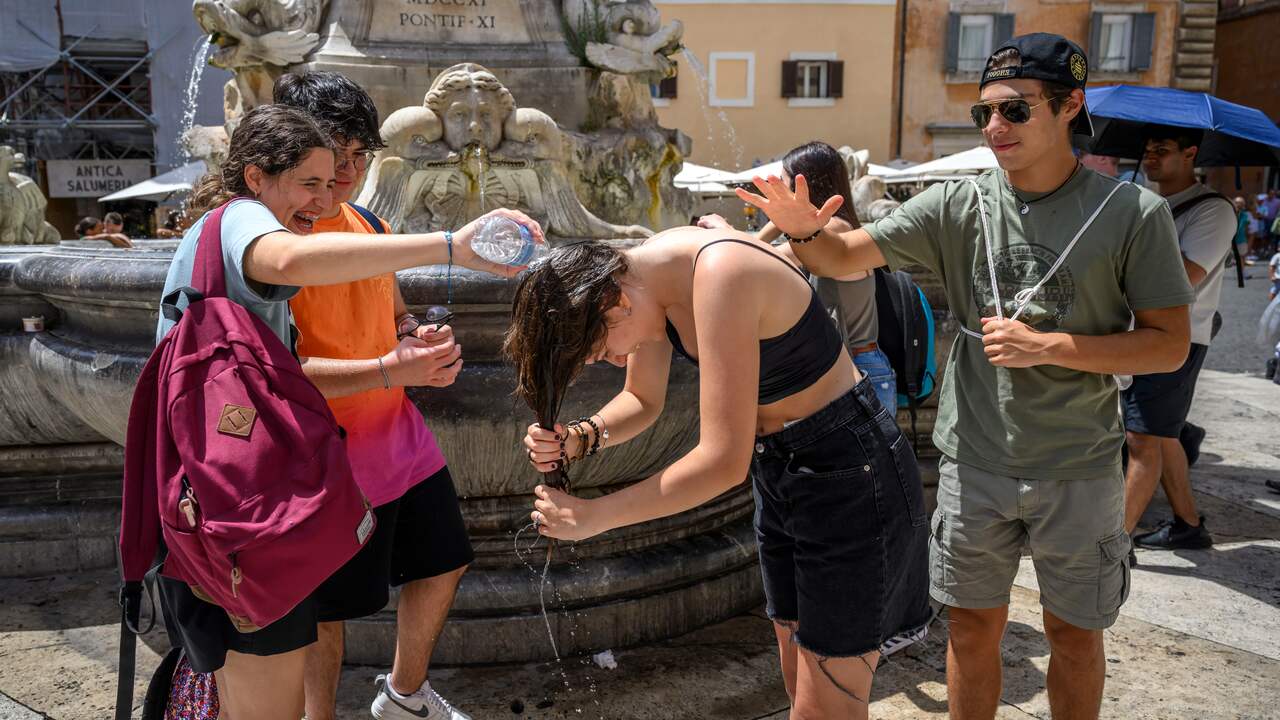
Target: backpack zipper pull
[(187, 505), (236, 576)]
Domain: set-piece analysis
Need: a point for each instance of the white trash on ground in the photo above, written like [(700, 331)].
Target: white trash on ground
[(605, 660)]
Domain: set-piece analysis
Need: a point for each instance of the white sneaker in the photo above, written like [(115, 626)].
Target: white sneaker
[(425, 703)]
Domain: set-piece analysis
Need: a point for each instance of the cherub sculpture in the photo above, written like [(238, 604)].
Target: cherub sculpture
[(469, 149)]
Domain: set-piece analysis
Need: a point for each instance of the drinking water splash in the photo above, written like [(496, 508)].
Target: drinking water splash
[(703, 85)]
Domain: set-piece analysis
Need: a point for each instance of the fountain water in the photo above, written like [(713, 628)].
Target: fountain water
[(704, 96), (200, 59)]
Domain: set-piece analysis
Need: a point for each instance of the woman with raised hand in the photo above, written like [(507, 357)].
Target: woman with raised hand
[(850, 299), (839, 508), (278, 178)]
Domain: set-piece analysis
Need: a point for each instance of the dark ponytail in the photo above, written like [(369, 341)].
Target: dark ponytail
[(827, 175)]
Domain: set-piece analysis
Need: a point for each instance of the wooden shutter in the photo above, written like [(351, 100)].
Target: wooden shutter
[(1144, 29), (1095, 40), (1003, 31), (951, 60), (789, 71), (835, 78), (667, 87)]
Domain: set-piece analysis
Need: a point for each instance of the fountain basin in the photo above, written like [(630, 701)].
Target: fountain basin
[(632, 586)]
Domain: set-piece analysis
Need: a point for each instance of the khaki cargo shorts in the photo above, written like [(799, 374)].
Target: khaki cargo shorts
[(1074, 529)]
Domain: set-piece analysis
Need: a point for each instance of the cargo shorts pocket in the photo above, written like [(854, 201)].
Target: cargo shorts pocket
[(1113, 572), (937, 552)]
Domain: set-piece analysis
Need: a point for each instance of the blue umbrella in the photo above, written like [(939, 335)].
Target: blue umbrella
[(1234, 135)]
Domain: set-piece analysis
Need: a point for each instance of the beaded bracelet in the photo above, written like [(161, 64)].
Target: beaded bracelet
[(595, 442), (815, 234)]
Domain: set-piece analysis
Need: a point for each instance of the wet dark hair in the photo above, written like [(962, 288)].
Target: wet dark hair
[(275, 138), (86, 224), (1053, 91), (114, 218), (557, 319), (827, 175), (1184, 137), (343, 108)]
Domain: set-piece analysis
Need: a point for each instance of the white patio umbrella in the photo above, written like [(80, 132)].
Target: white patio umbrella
[(160, 187), (971, 161), (702, 179), (775, 168)]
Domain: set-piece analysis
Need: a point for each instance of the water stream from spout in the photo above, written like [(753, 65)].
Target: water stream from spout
[(200, 59), (730, 134)]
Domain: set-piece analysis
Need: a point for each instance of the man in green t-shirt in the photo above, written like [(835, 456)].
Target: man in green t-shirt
[(1028, 419)]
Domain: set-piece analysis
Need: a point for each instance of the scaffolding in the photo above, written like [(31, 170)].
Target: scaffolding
[(93, 101)]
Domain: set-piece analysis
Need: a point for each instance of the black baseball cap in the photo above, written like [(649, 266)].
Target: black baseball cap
[(1045, 56)]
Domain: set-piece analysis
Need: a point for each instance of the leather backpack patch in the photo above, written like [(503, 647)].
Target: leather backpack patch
[(237, 420)]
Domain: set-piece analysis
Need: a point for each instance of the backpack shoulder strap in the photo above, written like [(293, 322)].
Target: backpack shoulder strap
[(1186, 205), (374, 221), (208, 274)]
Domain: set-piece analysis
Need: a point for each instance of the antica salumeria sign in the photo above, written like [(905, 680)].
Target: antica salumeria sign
[(94, 178), (452, 21)]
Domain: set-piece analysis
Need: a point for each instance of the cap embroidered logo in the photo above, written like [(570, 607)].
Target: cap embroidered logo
[(1078, 67), (237, 420)]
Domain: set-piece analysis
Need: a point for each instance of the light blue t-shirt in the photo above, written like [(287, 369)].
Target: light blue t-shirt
[(242, 223)]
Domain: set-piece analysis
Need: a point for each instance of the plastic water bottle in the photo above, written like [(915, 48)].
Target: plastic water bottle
[(506, 242)]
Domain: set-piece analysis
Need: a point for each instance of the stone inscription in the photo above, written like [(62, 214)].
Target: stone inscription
[(448, 21)]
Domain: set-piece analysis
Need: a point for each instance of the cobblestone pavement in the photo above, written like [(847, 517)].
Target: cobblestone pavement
[(1196, 639)]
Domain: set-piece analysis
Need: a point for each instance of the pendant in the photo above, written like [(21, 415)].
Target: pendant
[(1024, 209)]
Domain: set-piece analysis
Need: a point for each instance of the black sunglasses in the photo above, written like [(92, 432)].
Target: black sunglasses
[(1015, 110)]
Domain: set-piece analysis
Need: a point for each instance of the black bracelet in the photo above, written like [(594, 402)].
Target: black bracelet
[(802, 240), (595, 440)]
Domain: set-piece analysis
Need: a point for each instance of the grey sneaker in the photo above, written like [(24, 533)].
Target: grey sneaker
[(425, 703)]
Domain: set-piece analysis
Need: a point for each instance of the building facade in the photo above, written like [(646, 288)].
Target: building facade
[(95, 94), (759, 78), (944, 43), (1246, 74)]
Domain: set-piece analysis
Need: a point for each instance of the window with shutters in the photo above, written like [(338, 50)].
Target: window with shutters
[(1116, 38), (812, 79), (971, 38), (1120, 44), (663, 92), (976, 41)]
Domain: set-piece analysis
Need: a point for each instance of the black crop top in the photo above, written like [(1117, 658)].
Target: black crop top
[(797, 358)]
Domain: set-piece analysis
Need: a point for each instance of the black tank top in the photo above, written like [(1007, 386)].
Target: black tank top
[(797, 358)]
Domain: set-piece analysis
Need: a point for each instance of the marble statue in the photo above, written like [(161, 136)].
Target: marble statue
[(22, 205), (469, 149), (637, 43), (257, 39)]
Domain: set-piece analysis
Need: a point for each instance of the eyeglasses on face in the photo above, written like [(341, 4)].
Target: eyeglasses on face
[(358, 160), (1015, 110)]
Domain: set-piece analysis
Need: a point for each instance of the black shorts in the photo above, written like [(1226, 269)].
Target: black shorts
[(206, 633), (1157, 404), (419, 535), (843, 535)]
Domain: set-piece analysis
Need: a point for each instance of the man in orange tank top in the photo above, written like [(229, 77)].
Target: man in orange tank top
[(352, 347)]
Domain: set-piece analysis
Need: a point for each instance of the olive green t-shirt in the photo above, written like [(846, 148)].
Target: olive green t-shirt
[(1045, 422)]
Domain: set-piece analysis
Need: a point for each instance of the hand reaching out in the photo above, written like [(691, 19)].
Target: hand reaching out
[(791, 212)]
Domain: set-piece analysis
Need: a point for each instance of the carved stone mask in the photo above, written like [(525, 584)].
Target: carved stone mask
[(473, 115)]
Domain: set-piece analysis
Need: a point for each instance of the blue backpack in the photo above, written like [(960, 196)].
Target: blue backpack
[(907, 338)]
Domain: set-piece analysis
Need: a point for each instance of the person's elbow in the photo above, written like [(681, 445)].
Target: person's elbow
[(1171, 352)]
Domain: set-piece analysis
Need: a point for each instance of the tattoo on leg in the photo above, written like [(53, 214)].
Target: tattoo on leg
[(822, 665)]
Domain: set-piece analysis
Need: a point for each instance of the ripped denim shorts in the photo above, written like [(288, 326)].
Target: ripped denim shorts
[(842, 530)]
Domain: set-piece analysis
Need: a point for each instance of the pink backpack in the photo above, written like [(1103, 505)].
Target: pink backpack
[(234, 458)]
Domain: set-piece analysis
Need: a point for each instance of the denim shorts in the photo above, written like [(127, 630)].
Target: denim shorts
[(842, 530), (874, 364)]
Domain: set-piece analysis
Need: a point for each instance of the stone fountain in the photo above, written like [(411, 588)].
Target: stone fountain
[(458, 143)]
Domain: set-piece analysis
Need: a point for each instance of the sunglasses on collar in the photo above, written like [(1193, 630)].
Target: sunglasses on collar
[(1015, 110)]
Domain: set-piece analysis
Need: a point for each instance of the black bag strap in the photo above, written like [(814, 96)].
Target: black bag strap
[(130, 616), (1186, 205), (369, 217)]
